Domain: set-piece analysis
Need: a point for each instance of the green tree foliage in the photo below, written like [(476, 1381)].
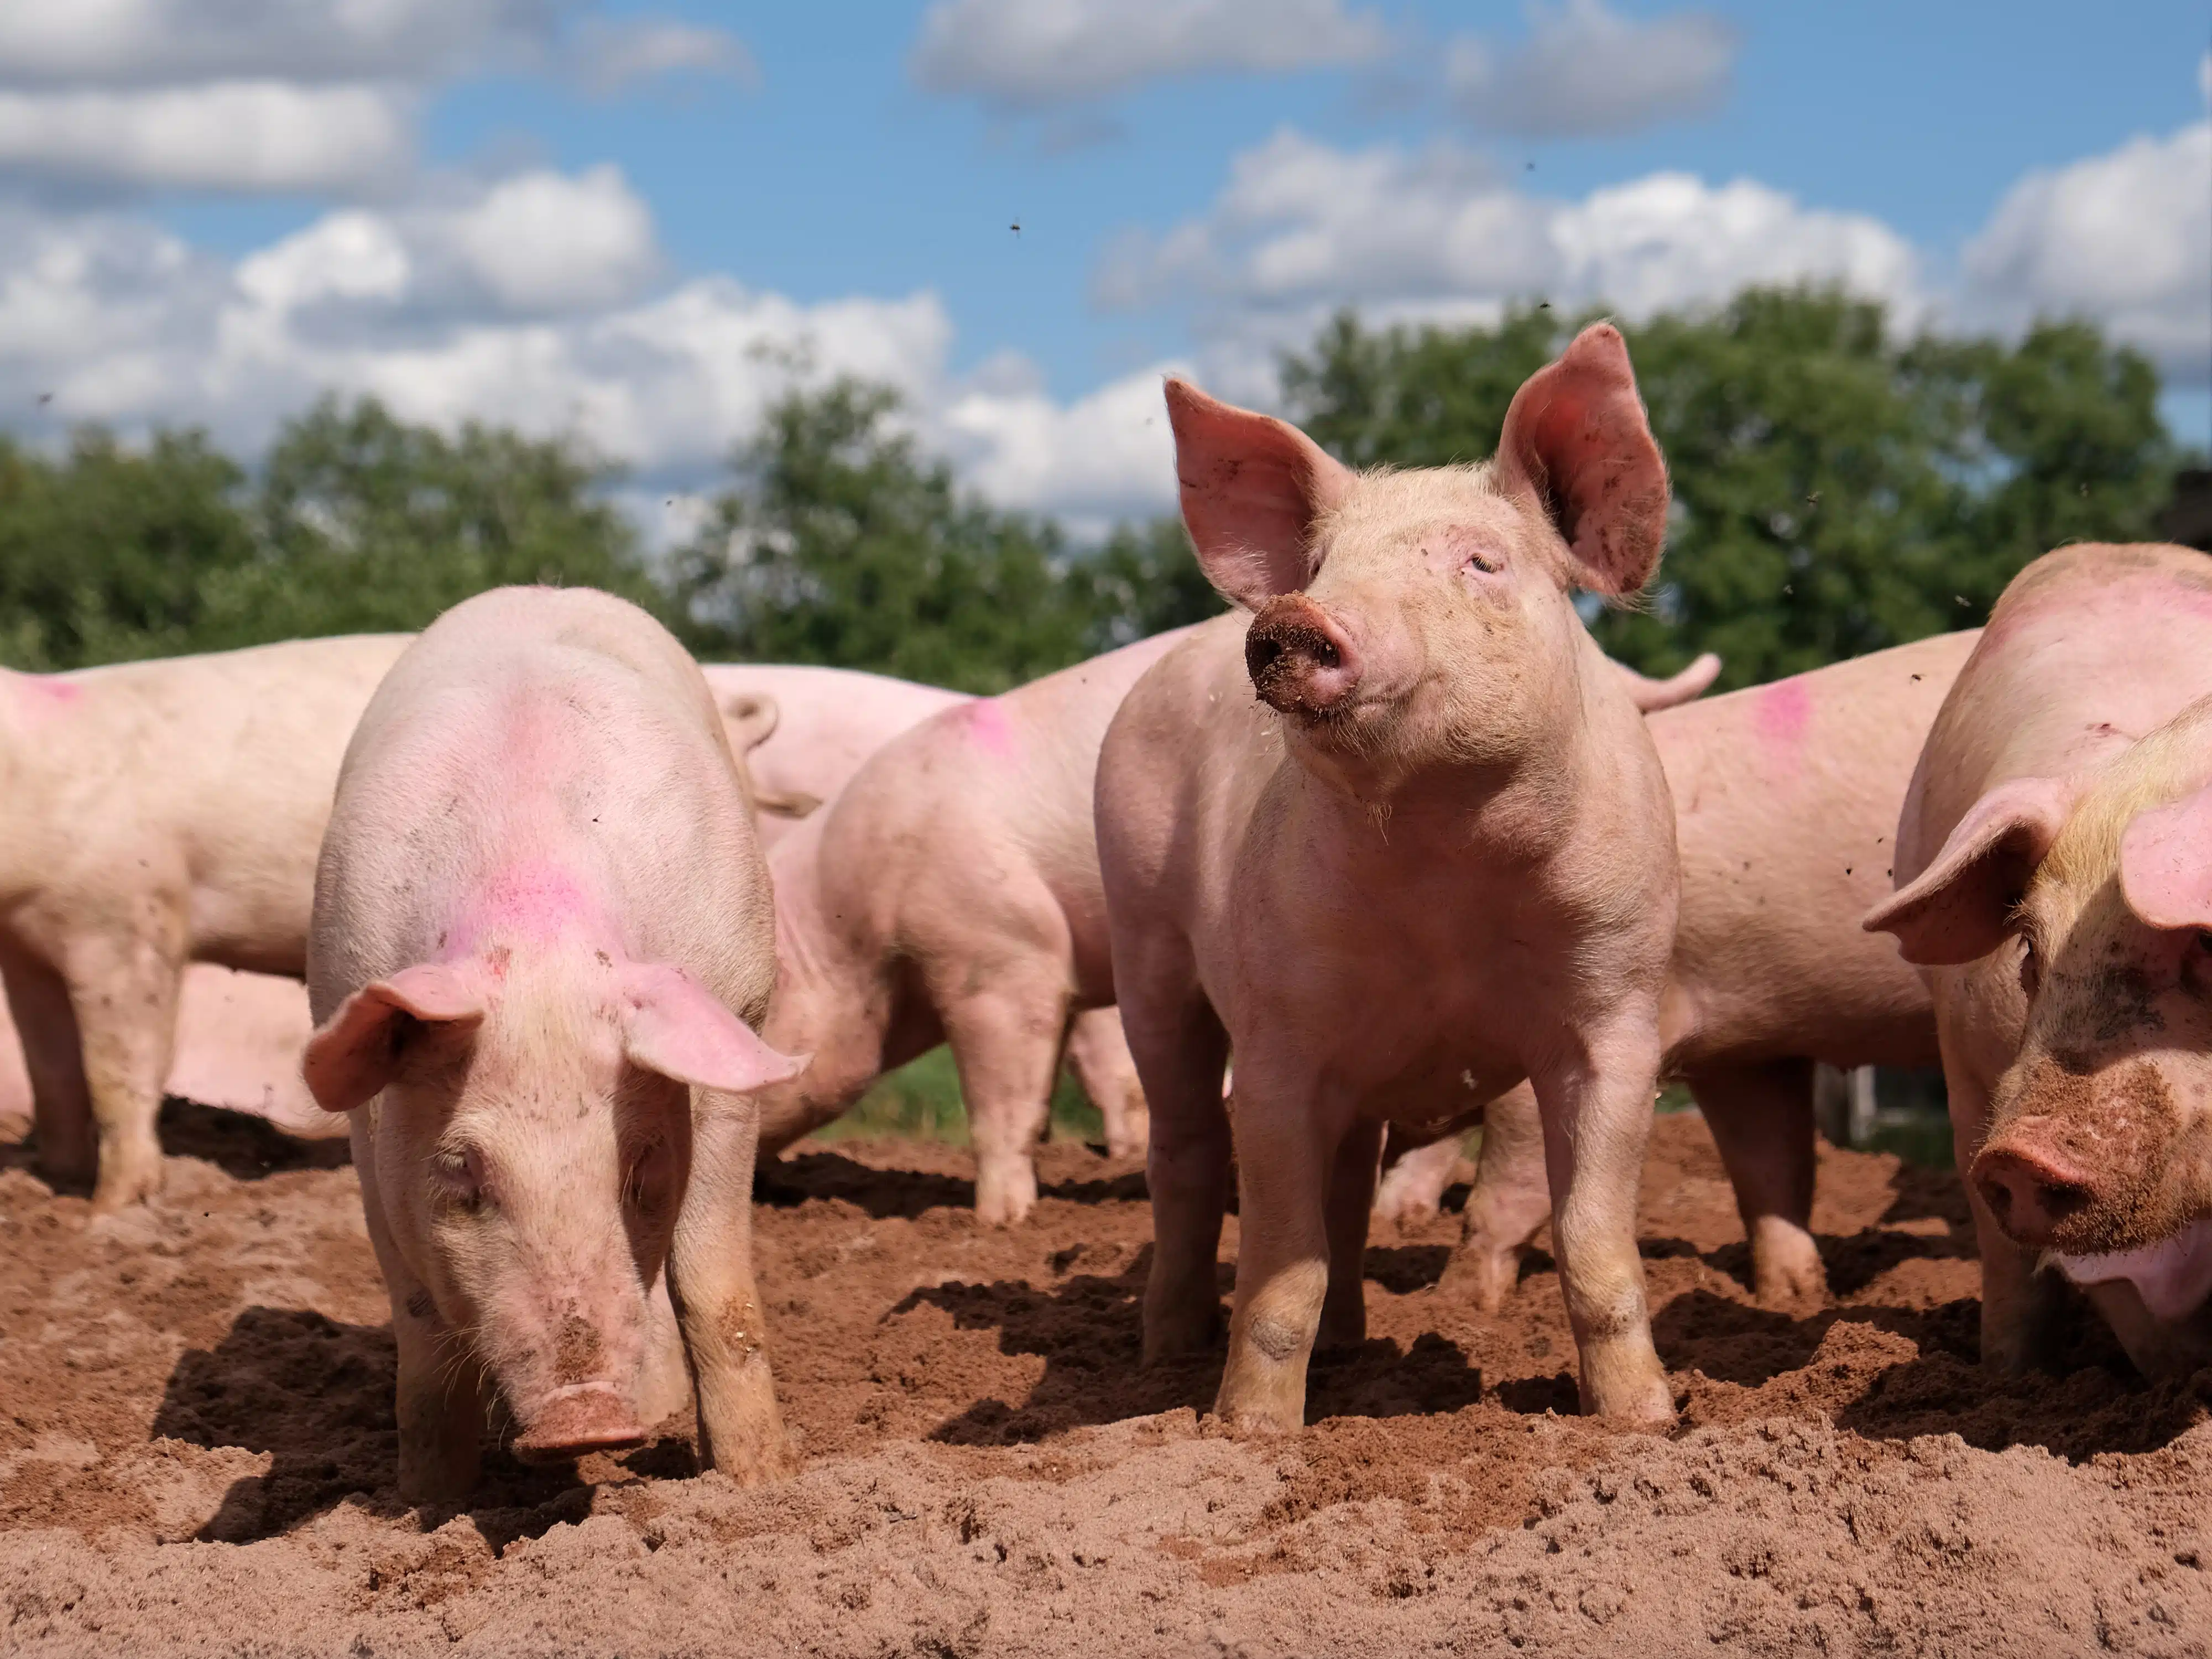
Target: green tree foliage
[(1837, 489), (364, 524), (839, 544), (107, 554)]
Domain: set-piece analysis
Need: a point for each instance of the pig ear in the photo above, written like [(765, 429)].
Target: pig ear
[(1576, 441), (672, 1026), (1960, 907), (1252, 487), (349, 1061), (2166, 863)]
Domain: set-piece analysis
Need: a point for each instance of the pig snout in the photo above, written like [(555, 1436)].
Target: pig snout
[(584, 1417), (2032, 1189), (1301, 661)]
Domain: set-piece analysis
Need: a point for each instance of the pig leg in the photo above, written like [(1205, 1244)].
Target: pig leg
[(442, 1396), (124, 991), (1597, 1109), (2020, 1307), (1099, 1055), (53, 1056), (1180, 1053), (1761, 1119), (1414, 1178), (1350, 1200), (1006, 1044), (1285, 1158), (1509, 1205), (710, 1273)]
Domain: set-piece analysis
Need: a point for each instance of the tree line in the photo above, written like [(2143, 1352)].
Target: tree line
[(1838, 487)]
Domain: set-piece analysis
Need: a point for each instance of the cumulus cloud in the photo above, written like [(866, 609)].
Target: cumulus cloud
[(1587, 71), (1302, 226), (1020, 55), (127, 325), (2120, 238), (243, 136), (288, 96), (611, 57)]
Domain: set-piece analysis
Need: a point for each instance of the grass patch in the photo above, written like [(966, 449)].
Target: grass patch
[(921, 1101)]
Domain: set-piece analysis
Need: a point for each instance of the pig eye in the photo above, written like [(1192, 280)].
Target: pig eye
[(1483, 562), (457, 1179)]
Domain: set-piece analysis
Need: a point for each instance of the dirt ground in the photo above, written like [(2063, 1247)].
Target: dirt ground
[(196, 1448)]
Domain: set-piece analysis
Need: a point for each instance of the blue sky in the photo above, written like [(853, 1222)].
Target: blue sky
[(623, 220)]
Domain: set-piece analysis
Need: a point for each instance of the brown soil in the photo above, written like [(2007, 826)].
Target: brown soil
[(196, 1448)]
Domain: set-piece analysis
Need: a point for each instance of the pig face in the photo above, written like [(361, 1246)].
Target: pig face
[(1397, 615), (2099, 887), (532, 1132)]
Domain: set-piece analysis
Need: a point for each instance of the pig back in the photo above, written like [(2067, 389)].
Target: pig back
[(1786, 798)]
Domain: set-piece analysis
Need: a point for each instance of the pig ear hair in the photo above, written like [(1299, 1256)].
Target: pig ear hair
[(1960, 907), (2166, 863), (672, 1026), (1252, 487), (1575, 440), (350, 1059)]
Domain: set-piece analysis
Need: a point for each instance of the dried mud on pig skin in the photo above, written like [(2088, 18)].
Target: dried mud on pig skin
[(195, 1446)]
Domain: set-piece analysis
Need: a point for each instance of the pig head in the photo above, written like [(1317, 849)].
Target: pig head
[(532, 1125), (2099, 1149)]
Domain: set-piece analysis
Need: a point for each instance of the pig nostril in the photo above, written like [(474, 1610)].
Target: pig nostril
[(1262, 654), (2060, 1200)]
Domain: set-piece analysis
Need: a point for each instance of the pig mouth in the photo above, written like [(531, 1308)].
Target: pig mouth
[(2173, 1277)]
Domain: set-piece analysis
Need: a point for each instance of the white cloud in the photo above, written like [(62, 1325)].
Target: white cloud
[(548, 242), (612, 56), (1094, 460), (1301, 226), (2120, 238), (127, 325), (224, 136), (1587, 69), (1025, 54)]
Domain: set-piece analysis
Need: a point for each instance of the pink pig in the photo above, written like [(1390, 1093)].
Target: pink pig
[(159, 813), (2054, 878), (1437, 856), (952, 894), (543, 932), (1786, 798)]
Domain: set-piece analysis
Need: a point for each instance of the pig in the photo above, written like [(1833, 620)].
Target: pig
[(542, 941), (1434, 857), (159, 813), (952, 894), (2054, 883), (832, 721), (1786, 798)]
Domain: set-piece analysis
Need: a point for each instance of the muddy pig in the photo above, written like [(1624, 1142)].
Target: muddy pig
[(952, 894), (2054, 878), (1786, 798), (542, 935), (1437, 856), (159, 813)]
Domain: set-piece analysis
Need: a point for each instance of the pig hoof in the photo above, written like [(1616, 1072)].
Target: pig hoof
[(1004, 1198), (1785, 1265), (1482, 1276), (120, 1191)]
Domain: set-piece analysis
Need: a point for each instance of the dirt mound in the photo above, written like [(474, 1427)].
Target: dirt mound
[(195, 1446)]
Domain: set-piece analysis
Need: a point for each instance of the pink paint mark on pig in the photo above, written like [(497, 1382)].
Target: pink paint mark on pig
[(43, 697), (991, 732), (1783, 711), (529, 899)]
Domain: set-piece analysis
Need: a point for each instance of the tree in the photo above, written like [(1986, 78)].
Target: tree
[(1836, 490), (839, 545), (364, 523), (107, 555), (1144, 580)]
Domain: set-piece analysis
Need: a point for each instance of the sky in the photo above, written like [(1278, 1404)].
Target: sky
[(636, 225)]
